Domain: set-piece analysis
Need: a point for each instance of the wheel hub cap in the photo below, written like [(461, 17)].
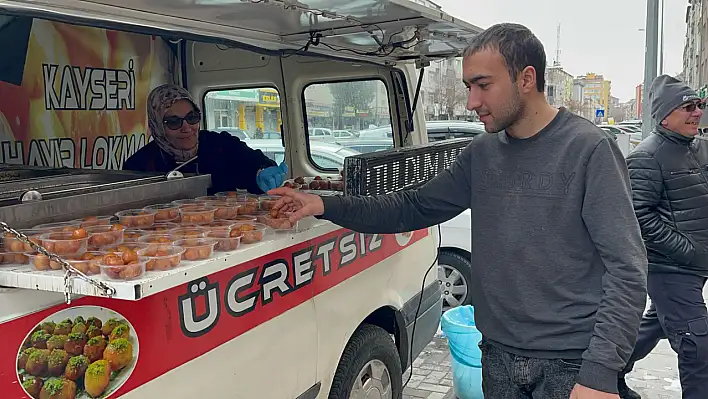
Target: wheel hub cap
[(453, 286), (373, 382)]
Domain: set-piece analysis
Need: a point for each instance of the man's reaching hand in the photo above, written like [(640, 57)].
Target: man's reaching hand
[(297, 203)]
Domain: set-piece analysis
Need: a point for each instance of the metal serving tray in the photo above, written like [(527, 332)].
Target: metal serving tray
[(56, 183), (74, 193)]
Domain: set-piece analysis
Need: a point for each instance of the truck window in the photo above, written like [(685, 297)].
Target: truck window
[(249, 114), (352, 107)]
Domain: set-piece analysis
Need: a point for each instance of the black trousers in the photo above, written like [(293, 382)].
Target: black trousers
[(678, 313)]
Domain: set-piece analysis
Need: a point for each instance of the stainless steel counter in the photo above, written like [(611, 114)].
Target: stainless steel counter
[(74, 193)]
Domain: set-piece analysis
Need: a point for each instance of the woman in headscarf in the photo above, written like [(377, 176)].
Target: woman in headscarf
[(173, 119)]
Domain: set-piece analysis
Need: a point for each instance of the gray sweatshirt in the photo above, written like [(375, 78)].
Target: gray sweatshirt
[(559, 267)]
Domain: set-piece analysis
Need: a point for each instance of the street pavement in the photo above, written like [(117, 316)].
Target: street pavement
[(655, 377), (432, 372)]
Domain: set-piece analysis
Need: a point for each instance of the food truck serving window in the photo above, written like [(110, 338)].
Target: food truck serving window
[(346, 118)]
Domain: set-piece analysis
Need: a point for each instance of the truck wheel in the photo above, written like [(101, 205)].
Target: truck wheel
[(370, 367), (455, 274)]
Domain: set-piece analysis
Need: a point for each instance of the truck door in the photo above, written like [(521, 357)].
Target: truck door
[(245, 90)]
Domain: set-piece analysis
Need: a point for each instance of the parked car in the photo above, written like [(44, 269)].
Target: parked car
[(321, 134), (628, 129), (443, 130), (633, 122), (234, 131), (612, 130), (266, 135), (384, 132), (437, 130), (366, 145), (244, 135), (344, 134), (325, 155)]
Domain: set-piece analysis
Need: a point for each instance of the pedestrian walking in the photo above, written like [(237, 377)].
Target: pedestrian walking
[(669, 175)]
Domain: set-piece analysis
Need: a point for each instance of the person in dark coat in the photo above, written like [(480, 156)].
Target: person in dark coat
[(173, 119), (669, 175)]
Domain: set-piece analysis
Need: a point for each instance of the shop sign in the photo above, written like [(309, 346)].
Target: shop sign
[(268, 97), (318, 110), (245, 95)]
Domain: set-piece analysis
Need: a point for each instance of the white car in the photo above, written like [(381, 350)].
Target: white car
[(326, 155), (320, 134)]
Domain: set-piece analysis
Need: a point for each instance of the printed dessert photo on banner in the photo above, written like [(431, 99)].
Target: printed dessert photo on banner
[(81, 352)]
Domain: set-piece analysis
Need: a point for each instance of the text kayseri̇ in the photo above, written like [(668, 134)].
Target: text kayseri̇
[(69, 87), (107, 152)]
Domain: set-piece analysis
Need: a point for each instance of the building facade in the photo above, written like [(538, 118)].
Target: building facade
[(559, 86), (630, 109), (695, 51), (597, 92), (578, 91), (442, 94), (582, 104)]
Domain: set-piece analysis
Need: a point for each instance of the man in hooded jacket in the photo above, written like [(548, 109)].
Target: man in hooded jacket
[(669, 176)]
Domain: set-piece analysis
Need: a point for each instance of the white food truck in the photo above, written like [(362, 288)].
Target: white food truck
[(312, 312)]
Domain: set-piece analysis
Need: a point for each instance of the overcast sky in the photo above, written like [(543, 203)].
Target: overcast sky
[(598, 36)]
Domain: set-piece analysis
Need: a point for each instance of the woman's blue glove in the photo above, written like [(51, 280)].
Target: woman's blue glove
[(272, 177)]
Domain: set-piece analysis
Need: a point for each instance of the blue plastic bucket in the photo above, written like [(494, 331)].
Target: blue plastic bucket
[(463, 339)]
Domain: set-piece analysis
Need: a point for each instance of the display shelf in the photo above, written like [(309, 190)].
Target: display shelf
[(26, 277)]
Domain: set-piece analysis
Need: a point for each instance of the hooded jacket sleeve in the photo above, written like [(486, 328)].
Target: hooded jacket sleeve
[(647, 186), (440, 199)]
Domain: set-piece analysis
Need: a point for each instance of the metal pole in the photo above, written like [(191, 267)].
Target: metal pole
[(650, 63), (661, 46)]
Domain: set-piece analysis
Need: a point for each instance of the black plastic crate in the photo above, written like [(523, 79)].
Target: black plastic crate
[(398, 169)]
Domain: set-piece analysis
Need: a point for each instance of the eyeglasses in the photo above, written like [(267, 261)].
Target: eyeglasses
[(692, 106), (175, 122)]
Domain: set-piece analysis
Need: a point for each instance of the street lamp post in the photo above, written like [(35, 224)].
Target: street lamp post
[(650, 63), (661, 46)]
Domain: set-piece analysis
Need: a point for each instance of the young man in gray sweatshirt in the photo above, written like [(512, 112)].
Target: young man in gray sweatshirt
[(559, 264)]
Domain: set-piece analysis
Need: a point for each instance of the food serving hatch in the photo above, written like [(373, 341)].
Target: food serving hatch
[(55, 183), (30, 196), (64, 194)]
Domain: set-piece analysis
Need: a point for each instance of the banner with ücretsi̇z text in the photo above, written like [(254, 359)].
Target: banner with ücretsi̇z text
[(74, 96)]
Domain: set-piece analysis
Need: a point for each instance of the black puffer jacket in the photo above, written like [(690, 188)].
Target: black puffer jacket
[(669, 175)]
